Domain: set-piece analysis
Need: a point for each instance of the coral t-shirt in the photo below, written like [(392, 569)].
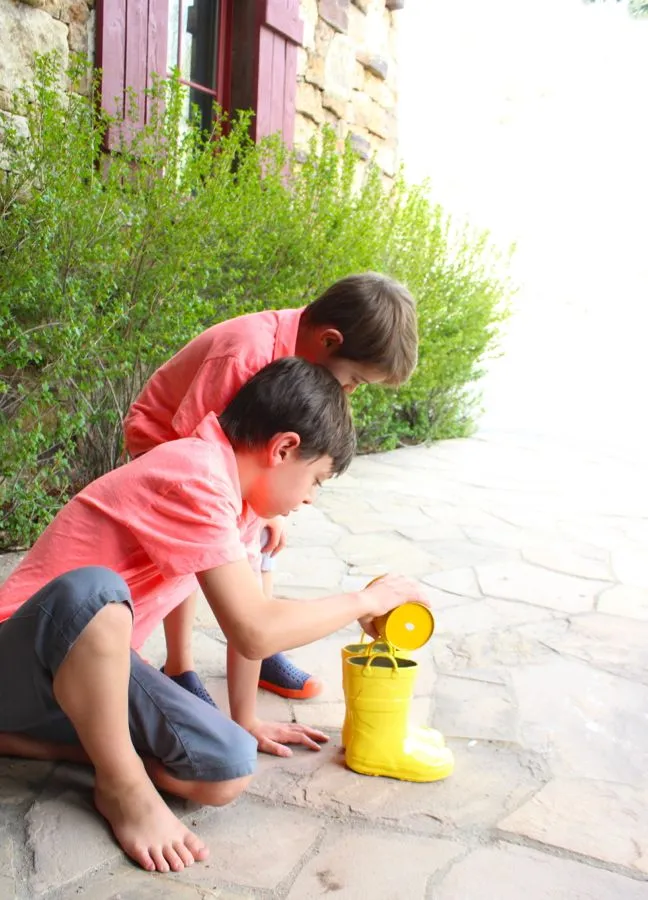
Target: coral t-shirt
[(206, 374), (156, 522)]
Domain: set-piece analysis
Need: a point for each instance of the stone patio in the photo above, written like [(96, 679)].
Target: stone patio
[(534, 559)]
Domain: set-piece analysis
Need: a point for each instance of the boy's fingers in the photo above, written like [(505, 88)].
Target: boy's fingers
[(308, 742), (315, 734), (275, 748)]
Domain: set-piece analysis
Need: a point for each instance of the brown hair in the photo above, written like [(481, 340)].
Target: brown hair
[(377, 319), (291, 394)]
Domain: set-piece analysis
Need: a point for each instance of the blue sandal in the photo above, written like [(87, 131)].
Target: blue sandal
[(192, 683), (282, 677)]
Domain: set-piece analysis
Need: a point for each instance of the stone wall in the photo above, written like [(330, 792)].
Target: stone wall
[(38, 26), (347, 76)]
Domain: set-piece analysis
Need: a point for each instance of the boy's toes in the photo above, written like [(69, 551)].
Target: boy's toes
[(196, 847), (183, 852), (142, 856), (175, 862), (157, 854)]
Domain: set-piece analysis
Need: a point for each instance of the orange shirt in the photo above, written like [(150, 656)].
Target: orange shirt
[(206, 374), (156, 522)]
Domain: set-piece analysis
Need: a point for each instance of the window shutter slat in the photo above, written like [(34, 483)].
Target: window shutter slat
[(111, 55), (131, 45), (280, 32)]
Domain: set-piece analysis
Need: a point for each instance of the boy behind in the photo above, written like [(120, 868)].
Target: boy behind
[(120, 556), (363, 329)]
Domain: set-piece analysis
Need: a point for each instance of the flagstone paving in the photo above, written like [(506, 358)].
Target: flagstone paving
[(534, 558)]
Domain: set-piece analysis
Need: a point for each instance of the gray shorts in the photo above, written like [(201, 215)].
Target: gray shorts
[(191, 738)]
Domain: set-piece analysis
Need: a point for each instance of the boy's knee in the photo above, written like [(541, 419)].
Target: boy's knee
[(89, 583), (219, 793), (68, 603)]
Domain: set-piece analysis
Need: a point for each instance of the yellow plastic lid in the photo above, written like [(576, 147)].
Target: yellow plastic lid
[(409, 626)]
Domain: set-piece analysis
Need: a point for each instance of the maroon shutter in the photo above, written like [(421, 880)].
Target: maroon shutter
[(280, 33), (131, 46)]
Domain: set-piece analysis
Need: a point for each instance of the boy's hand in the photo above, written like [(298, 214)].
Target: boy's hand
[(385, 594), (273, 736), (276, 536)]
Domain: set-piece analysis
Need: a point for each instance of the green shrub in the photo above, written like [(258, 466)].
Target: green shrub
[(108, 266)]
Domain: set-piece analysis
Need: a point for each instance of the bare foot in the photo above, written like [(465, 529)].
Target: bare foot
[(145, 827)]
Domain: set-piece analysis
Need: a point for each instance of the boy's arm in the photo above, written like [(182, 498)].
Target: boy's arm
[(272, 737), (258, 627)]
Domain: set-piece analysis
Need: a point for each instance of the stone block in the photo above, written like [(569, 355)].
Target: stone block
[(380, 92), (373, 554), (302, 62), (520, 872), (358, 76), (582, 560), (25, 31), (461, 581), (339, 67), (253, 846), (357, 27), (20, 782), (489, 782), (335, 13), (488, 615), (323, 37), (362, 5), (314, 72), (370, 115), (631, 602), (311, 528), (485, 650), (77, 11), (335, 105), (66, 838), (531, 584), (317, 567), (309, 15), (7, 866), (610, 643), (603, 820), (475, 709), (358, 865), (123, 884), (78, 38), (376, 65), (586, 722), (52, 7), (305, 131), (361, 146), (631, 566), (308, 101)]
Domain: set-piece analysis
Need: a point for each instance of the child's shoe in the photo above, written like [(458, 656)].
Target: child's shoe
[(282, 677)]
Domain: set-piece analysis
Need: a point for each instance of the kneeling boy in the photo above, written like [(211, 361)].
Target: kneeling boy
[(120, 556)]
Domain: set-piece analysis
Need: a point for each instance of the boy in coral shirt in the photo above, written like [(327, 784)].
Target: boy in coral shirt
[(363, 329), (120, 556)]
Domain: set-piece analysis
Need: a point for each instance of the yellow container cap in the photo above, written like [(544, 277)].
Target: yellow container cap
[(409, 626)]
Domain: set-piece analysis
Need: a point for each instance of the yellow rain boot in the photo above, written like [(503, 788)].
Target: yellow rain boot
[(363, 649), (378, 695)]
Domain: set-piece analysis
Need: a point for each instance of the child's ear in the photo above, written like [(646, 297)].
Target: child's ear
[(282, 446), (331, 339)]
